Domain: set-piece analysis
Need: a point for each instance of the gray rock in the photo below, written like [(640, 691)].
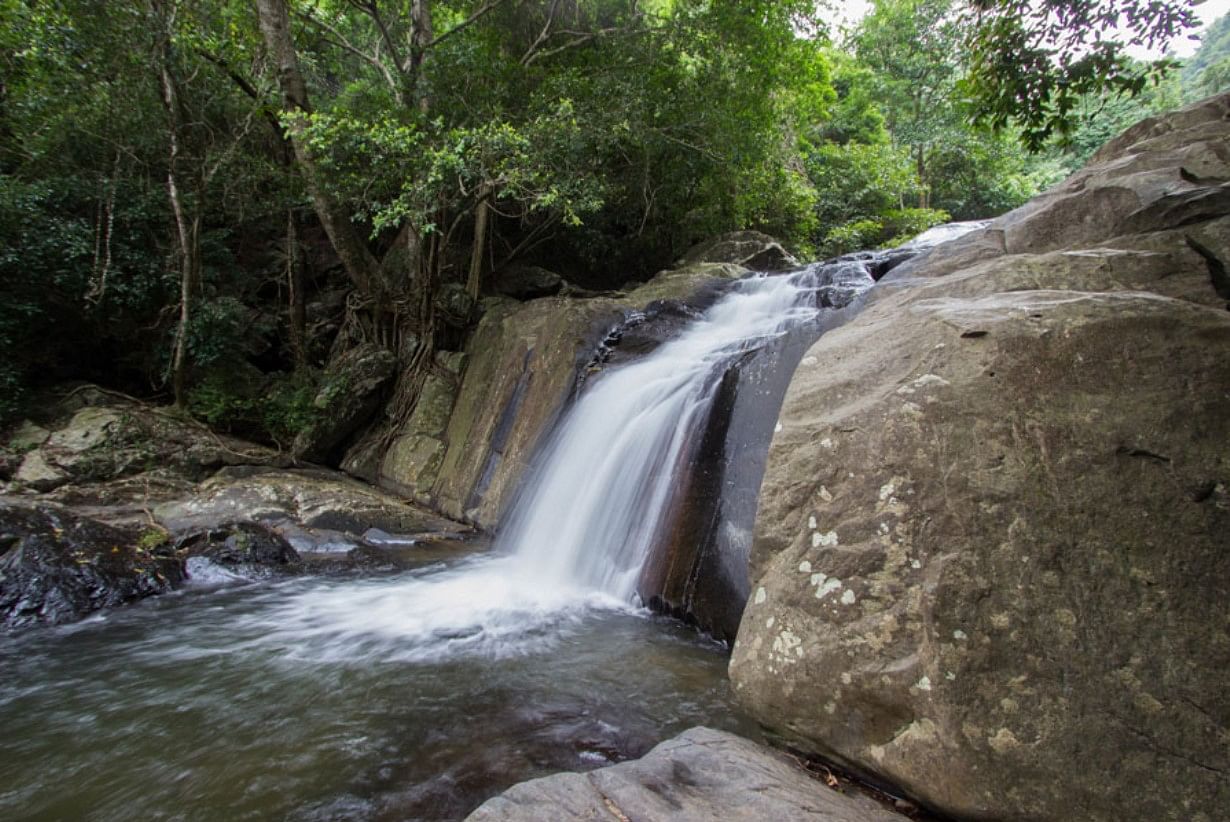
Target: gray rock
[(350, 393), (990, 553), (750, 249), (317, 500), (528, 282), (103, 443), (702, 774)]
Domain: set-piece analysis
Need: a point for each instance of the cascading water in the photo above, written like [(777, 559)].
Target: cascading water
[(594, 508), (589, 513)]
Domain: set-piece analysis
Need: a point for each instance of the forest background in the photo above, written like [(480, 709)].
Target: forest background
[(205, 203)]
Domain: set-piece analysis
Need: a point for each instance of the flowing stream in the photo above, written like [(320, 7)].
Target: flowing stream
[(417, 694)]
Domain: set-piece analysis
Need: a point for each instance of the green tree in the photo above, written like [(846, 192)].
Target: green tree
[(1032, 62)]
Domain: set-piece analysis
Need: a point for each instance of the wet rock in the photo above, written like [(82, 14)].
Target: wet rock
[(988, 559), (351, 391), (56, 566), (528, 282), (702, 774), (750, 249), (239, 543)]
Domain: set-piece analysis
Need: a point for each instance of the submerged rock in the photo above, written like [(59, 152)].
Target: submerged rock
[(990, 558), (702, 774), (56, 566)]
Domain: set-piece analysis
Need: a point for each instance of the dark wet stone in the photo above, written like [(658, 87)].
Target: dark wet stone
[(56, 566), (239, 543)]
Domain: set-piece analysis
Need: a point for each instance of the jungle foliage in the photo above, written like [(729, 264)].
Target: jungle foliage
[(206, 200)]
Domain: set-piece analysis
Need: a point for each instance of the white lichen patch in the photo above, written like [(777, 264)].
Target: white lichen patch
[(950, 676), (761, 596), (787, 647), (884, 528), (930, 379), (827, 539), (768, 623), (911, 410), (958, 635), (804, 567), (846, 679), (923, 684), (1003, 741), (830, 707), (777, 428), (915, 564), (826, 443), (810, 361), (825, 495), (887, 489), (816, 579), (811, 523), (827, 586), (848, 597)]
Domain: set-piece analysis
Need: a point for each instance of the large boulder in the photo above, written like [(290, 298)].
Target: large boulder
[(56, 566), (700, 775), (750, 249), (123, 438), (990, 554), (350, 393), (297, 503)]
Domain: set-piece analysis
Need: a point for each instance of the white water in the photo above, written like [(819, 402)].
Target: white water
[(589, 515), (584, 523)]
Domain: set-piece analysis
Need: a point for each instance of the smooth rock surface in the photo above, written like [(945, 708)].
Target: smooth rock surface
[(990, 558), (312, 499), (702, 774)]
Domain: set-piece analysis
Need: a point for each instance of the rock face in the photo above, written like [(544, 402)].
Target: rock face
[(990, 558), (699, 775), (57, 567), (102, 442), (470, 438), (350, 393), (750, 249)]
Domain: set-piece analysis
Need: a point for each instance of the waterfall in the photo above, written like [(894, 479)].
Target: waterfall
[(601, 491), (598, 495)]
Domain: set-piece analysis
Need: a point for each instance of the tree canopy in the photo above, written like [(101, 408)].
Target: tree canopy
[(208, 200)]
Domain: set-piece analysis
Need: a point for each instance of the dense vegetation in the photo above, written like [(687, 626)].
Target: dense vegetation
[(207, 200)]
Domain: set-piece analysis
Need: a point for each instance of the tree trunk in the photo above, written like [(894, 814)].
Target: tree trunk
[(187, 232), (357, 259), (474, 281), (297, 309)]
